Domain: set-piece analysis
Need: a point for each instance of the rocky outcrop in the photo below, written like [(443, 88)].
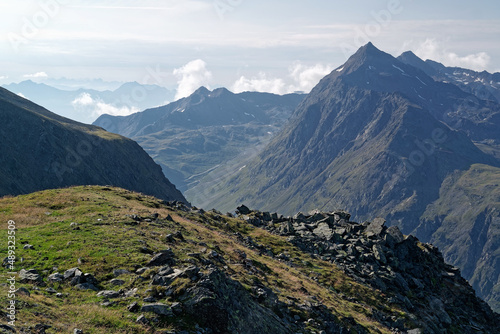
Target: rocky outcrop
[(411, 274)]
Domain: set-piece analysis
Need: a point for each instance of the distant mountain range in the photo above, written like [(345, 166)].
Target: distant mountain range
[(207, 132), (485, 85), (379, 136), (42, 150), (86, 105)]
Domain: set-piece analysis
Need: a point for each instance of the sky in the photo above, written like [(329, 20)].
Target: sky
[(275, 46)]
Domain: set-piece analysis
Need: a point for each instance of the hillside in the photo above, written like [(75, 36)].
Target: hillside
[(208, 132), (106, 260), (41, 150), (468, 213)]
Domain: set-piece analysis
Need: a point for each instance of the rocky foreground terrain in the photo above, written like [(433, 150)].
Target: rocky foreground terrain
[(106, 260)]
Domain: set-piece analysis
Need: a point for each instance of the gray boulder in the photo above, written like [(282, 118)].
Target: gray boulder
[(323, 231), (163, 258), (70, 273), (157, 308), (56, 277), (109, 294), (31, 277), (376, 227)]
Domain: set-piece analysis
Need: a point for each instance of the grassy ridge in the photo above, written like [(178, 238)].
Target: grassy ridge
[(105, 238)]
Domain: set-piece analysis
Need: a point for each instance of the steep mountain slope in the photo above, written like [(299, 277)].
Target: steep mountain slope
[(364, 140), (209, 131), (41, 150), (465, 224), (107, 260), (83, 104), (485, 85), (391, 149)]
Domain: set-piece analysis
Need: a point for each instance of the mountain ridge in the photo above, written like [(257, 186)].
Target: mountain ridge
[(42, 150), (208, 131), (357, 144)]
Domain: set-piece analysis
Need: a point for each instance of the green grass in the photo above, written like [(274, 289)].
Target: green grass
[(106, 239)]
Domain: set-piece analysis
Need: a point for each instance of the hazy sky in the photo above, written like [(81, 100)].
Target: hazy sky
[(278, 46)]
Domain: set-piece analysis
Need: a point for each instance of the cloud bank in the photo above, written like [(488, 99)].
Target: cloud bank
[(300, 78), (38, 75), (431, 49), (84, 103)]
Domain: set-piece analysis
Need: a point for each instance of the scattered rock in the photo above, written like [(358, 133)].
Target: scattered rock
[(109, 294), (117, 282), (394, 236), (77, 331), (323, 231), (376, 227), (51, 291), (134, 307), (119, 272), (86, 286), (378, 252), (22, 291), (29, 247), (141, 271), (158, 308), (163, 258), (70, 273), (243, 210), (142, 320), (31, 277), (56, 277)]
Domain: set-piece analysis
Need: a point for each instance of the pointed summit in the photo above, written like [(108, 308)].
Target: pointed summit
[(367, 55), (366, 61), (201, 91), (369, 48)]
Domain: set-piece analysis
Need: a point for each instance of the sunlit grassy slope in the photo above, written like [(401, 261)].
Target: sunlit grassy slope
[(106, 237)]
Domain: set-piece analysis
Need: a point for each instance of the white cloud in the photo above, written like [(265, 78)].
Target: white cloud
[(307, 77), (3, 77), (38, 75), (191, 76), (86, 104), (431, 49), (259, 84), (84, 99), (301, 78)]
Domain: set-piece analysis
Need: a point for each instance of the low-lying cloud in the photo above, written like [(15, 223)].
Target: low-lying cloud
[(300, 78), (259, 84), (95, 107), (431, 49), (191, 76)]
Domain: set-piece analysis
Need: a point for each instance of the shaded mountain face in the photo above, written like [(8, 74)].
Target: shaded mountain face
[(85, 105), (370, 138), (209, 132), (204, 108), (465, 224), (375, 70), (484, 85), (41, 150)]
